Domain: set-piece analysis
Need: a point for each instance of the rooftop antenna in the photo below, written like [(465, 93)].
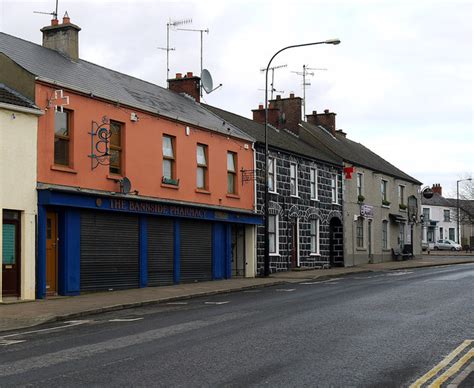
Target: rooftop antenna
[(201, 32), (272, 88), (54, 13), (171, 24), (304, 73)]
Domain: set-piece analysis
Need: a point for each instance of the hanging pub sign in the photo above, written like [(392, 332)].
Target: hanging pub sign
[(367, 211)]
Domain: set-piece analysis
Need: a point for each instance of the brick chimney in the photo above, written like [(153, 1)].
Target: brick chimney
[(326, 119), (62, 37), (188, 84), (437, 189), (282, 113)]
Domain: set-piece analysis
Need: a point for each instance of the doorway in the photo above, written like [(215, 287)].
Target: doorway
[(238, 250), (336, 253), (369, 236), (295, 249), (11, 255), (51, 253)]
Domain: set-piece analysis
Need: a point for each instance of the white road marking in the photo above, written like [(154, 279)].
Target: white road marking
[(70, 324), (285, 289), (399, 273), (10, 342), (216, 303), (125, 319)]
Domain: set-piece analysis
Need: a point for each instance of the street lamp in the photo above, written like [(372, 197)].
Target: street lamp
[(457, 205), (266, 196)]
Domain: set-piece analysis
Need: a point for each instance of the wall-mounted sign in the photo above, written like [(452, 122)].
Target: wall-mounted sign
[(367, 211), (155, 208)]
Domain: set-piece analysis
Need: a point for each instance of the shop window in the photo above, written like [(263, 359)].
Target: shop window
[(201, 175), (231, 172), (62, 137), (169, 171), (116, 148)]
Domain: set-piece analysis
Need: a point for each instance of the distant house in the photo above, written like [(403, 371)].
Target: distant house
[(381, 202), (137, 185), (18, 136), (305, 185), (440, 219)]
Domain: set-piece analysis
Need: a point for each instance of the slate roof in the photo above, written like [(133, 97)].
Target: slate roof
[(280, 139), (52, 67), (356, 153), (439, 200), (10, 96)]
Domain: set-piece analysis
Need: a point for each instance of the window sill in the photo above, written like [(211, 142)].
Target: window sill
[(114, 177), (336, 203), (315, 254), (361, 249), (274, 254), (235, 196), (56, 167), (202, 191), (314, 199), (272, 192), (402, 210), (295, 196), (166, 186), (386, 206)]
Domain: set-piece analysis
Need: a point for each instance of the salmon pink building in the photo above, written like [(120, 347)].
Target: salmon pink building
[(137, 185)]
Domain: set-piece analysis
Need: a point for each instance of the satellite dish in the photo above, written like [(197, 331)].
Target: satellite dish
[(206, 81), (125, 185)]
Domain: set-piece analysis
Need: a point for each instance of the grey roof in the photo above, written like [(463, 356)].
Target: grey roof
[(281, 139), (356, 153), (438, 200), (12, 97), (51, 66)]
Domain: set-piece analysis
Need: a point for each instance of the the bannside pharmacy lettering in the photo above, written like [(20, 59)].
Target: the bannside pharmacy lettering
[(155, 208)]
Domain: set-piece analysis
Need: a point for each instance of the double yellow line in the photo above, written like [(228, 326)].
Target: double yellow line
[(443, 364)]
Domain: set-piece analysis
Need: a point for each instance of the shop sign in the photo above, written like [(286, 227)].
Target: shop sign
[(367, 211), (156, 208)]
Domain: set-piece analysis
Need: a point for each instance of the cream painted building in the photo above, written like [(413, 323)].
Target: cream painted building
[(18, 204)]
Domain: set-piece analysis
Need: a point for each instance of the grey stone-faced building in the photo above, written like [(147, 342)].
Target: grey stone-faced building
[(305, 184)]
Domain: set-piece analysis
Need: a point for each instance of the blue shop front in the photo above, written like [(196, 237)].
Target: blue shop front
[(90, 241)]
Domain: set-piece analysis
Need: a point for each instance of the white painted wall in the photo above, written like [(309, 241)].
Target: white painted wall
[(18, 144)]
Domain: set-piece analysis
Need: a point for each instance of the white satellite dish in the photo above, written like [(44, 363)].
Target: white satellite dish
[(206, 81)]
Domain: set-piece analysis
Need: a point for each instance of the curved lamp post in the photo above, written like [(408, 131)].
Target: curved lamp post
[(457, 206), (266, 197)]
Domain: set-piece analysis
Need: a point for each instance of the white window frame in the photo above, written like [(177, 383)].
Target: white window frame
[(272, 173), (384, 190), (317, 237), (277, 235), (295, 178), (444, 215), (313, 183), (360, 189), (363, 233), (334, 189)]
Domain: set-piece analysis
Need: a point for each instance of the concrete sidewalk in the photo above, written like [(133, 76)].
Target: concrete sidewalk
[(26, 314)]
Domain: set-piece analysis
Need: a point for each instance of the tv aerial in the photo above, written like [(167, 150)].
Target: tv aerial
[(207, 83), (304, 74), (171, 24), (272, 88), (54, 13)]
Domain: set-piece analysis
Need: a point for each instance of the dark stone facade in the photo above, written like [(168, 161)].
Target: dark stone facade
[(304, 209)]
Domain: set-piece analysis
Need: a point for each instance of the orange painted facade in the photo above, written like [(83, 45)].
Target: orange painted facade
[(142, 154)]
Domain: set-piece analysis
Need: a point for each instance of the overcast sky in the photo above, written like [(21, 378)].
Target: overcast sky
[(400, 81)]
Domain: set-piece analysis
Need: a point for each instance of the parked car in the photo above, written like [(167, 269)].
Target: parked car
[(447, 245)]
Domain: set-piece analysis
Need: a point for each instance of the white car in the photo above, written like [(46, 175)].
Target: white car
[(447, 245)]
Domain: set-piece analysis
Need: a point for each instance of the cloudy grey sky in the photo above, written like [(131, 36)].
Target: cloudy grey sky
[(400, 81)]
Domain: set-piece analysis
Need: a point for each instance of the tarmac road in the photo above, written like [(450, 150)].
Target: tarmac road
[(372, 330)]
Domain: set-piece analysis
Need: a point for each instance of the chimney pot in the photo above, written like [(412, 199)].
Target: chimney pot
[(326, 111), (278, 97), (179, 76), (189, 74), (292, 95), (315, 112), (260, 106), (54, 22)]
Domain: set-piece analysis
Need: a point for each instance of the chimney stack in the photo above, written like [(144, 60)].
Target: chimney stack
[(62, 37), (326, 119), (189, 84), (437, 189)]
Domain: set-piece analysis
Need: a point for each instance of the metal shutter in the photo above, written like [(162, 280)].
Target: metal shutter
[(160, 251), (109, 251), (195, 251)]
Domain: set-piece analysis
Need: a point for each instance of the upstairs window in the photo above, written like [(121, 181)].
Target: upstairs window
[(313, 183), (447, 215), (401, 195), (201, 174), (231, 173), (334, 189), (426, 214), (115, 148), (169, 157), (360, 191), (383, 191), (62, 132), (293, 179), (272, 175)]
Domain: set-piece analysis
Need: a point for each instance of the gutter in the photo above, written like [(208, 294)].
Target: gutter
[(22, 109)]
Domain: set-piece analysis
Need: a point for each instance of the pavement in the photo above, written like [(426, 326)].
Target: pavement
[(16, 315)]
